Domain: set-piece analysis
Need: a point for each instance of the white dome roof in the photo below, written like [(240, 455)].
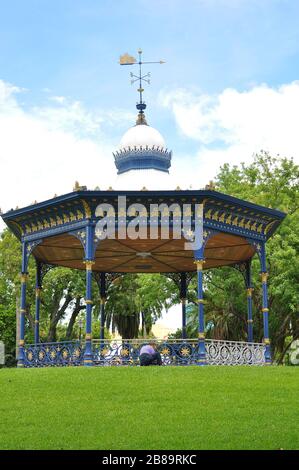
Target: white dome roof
[(142, 135)]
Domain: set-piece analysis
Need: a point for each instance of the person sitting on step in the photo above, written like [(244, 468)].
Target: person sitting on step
[(149, 356)]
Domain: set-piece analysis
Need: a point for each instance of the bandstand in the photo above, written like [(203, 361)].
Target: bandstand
[(66, 231), (63, 232)]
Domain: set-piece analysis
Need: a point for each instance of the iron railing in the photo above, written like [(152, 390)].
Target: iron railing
[(125, 352)]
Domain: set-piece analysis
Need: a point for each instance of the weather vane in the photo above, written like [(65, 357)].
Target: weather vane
[(127, 59)]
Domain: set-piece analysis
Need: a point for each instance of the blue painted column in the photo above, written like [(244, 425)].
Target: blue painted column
[(87, 360), (183, 295), (249, 315), (24, 277), (249, 290), (89, 262), (21, 357), (38, 288), (265, 310), (201, 322), (103, 301)]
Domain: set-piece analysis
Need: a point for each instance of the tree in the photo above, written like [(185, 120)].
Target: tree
[(10, 262), (62, 296), (133, 296), (273, 182)]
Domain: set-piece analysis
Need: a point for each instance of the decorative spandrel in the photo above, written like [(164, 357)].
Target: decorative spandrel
[(237, 219), (53, 217)]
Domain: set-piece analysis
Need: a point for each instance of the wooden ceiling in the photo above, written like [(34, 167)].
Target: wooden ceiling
[(152, 256)]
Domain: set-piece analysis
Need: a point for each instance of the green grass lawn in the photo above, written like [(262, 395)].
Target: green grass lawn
[(150, 408)]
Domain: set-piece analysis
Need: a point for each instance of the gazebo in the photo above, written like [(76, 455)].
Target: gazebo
[(66, 231), (175, 232)]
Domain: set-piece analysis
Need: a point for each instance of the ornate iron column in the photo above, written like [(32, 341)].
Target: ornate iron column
[(89, 262), (38, 287), (249, 290), (183, 295), (24, 277), (103, 301), (201, 323), (265, 310)]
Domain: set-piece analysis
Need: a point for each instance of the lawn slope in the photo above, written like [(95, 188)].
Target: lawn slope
[(150, 408)]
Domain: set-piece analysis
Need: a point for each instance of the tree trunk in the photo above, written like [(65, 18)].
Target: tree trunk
[(52, 331), (55, 317), (76, 311), (143, 324)]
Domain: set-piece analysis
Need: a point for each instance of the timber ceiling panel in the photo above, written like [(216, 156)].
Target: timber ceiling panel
[(143, 255)]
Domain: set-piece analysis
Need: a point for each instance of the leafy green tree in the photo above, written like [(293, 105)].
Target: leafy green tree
[(61, 299), (10, 262), (272, 182), (62, 296), (135, 296)]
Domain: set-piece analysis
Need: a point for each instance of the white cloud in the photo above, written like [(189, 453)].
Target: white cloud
[(57, 99), (44, 150), (233, 125)]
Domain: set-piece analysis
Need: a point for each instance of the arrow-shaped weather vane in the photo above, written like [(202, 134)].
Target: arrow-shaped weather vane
[(127, 59)]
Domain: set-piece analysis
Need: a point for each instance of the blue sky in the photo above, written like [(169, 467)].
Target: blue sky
[(72, 46), (227, 61)]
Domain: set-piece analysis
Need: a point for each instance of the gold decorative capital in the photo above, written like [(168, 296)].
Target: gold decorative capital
[(37, 291), (264, 276), (88, 264), (103, 300), (88, 302), (201, 336), (23, 277), (200, 301), (266, 341), (199, 264), (21, 342), (88, 337), (249, 291), (250, 320), (265, 310)]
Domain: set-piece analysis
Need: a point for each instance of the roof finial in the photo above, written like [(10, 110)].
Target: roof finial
[(126, 59)]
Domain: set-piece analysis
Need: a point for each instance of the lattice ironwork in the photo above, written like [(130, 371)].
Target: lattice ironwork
[(174, 352), (245, 269), (176, 278), (234, 353), (126, 352), (66, 353), (109, 278)]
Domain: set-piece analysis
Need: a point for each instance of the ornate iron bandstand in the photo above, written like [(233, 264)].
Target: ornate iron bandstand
[(63, 232)]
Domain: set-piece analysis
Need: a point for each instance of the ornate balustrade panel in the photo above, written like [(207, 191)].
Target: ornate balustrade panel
[(126, 353), (65, 353), (234, 353)]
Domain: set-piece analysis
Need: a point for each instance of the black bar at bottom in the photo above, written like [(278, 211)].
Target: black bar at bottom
[(138, 458)]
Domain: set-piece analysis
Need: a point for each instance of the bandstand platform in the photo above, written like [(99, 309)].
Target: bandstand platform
[(179, 233), (66, 231)]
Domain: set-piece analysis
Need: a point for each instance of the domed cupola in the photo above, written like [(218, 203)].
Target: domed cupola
[(142, 147)]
